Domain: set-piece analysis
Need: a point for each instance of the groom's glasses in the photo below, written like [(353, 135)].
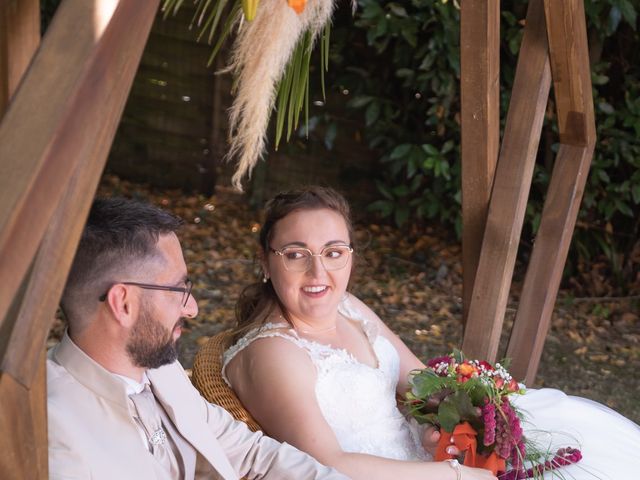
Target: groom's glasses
[(186, 290), (298, 259)]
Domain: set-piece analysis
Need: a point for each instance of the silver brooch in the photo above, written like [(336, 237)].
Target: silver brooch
[(158, 437)]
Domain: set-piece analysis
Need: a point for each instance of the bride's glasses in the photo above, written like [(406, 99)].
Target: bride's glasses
[(298, 259)]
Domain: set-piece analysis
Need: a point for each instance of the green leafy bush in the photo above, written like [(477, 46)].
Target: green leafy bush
[(400, 63)]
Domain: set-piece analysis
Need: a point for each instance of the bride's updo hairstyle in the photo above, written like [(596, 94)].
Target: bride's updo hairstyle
[(258, 300)]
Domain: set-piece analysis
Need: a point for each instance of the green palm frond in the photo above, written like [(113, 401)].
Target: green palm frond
[(207, 18)]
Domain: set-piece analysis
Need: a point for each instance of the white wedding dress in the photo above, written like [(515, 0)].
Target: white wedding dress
[(359, 403)]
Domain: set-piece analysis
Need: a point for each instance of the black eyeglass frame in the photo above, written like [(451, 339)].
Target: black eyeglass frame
[(186, 291), (281, 252)]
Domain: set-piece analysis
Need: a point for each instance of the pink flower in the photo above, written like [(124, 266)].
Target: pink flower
[(489, 419), (508, 430), (517, 455), (564, 456)]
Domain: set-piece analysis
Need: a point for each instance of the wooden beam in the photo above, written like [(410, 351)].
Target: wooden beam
[(480, 130), (19, 39), (510, 190), (23, 411), (547, 261), (23, 423), (63, 116), (566, 31), (54, 140), (570, 62), (45, 281)]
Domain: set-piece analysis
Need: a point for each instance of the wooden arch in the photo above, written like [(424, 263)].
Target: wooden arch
[(60, 103), (497, 177), (67, 95)]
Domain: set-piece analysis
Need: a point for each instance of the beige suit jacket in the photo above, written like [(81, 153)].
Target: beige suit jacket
[(92, 434)]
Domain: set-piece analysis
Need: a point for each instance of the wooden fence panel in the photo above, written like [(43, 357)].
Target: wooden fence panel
[(165, 136)]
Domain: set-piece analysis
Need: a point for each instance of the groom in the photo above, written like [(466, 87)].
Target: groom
[(119, 404)]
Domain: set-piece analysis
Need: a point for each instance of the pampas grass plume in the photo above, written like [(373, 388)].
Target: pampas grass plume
[(260, 54)]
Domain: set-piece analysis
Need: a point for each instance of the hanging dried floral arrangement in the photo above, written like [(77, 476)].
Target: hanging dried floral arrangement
[(270, 64)]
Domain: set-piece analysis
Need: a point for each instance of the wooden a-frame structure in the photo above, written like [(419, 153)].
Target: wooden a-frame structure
[(496, 178), (60, 103)]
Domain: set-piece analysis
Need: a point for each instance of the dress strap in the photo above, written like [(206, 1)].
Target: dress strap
[(350, 311), (316, 351), (269, 329)]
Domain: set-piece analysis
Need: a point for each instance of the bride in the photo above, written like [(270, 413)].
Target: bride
[(318, 369)]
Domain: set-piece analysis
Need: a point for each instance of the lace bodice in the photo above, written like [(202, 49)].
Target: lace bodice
[(356, 400)]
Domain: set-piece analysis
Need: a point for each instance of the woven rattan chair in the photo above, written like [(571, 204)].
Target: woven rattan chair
[(206, 377)]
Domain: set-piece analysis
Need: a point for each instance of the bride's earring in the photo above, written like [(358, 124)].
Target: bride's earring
[(265, 279)]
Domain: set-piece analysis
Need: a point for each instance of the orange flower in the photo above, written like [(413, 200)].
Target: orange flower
[(466, 369), (297, 5)]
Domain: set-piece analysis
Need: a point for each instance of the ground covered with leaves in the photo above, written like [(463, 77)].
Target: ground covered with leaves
[(413, 282)]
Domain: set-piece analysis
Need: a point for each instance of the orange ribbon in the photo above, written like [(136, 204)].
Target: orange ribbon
[(463, 438), (493, 462), (297, 5)]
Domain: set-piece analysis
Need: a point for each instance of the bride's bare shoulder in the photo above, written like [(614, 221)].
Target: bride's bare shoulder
[(277, 351), (271, 368)]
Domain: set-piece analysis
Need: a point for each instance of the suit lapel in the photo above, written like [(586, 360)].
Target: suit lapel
[(91, 374), (113, 414), (172, 388)]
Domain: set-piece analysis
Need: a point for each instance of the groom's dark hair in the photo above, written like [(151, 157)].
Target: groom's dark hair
[(120, 236)]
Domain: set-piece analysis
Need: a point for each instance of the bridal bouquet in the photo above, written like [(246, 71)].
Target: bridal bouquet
[(470, 401)]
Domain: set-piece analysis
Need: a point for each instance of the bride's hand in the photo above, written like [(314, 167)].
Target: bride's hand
[(430, 439)]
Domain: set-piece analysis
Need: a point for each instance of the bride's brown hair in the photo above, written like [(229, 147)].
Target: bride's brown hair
[(258, 300)]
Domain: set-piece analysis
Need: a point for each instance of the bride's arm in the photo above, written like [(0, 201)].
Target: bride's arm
[(275, 380)]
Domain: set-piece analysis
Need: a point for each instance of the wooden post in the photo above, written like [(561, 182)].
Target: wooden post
[(480, 126), (569, 54), (54, 140), (510, 190), (22, 411), (19, 39), (23, 423), (571, 74)]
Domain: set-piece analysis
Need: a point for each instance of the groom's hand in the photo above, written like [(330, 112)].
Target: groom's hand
[(430, 439)]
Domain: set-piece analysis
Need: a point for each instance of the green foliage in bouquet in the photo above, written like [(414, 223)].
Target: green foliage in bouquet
[(469, 401), (460, 395), (452, 390)]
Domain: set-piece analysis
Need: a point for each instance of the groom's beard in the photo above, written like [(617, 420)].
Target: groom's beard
[(151, 345)]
